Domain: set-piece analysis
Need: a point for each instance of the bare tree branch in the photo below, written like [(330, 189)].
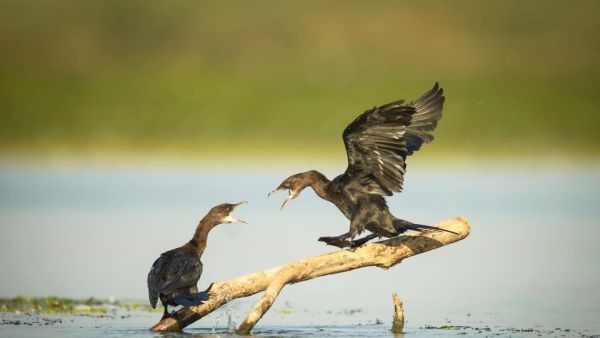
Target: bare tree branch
[(383, 254)]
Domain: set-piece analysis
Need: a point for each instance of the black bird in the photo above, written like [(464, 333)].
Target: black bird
[(174, 275), (377, 144)]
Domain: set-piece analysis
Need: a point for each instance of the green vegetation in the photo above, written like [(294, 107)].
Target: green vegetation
[(54, 304), (50, 304), (520, 77)]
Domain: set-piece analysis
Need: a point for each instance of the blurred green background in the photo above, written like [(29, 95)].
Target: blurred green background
[(268, 77)]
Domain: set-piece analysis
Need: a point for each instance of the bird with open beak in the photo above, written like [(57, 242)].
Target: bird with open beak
[(378, 143), (294, 185), (174, 275)]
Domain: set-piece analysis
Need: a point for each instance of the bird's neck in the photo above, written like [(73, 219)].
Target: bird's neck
[(319, 183), (198, 242)]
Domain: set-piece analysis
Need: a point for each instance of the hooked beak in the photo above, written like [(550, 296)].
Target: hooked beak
[(291, 195), (231, 219)]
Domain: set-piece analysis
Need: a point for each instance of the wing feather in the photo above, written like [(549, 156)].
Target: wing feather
[(379, 140), (174, 269)]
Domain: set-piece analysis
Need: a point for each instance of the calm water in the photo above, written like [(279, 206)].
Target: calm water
[(530, 262), (136, 325)]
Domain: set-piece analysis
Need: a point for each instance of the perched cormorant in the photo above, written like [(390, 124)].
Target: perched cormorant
[(377, 144), (174, 275)]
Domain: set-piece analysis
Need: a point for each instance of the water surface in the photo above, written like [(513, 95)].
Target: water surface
[(531, 260)]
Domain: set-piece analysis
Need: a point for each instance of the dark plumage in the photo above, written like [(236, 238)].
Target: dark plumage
[(377, 144), (174, 275)]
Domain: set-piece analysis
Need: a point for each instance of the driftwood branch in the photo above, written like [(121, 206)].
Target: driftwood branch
[(383, 254)]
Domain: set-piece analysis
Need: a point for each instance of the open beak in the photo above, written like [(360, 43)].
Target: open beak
[(275, 191), (291, 194), (232, 219)]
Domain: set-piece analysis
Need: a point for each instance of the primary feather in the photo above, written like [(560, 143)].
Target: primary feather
[(379, 140)]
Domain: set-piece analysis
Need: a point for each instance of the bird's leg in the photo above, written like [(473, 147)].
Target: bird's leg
[(166, 312), (340, 241), (361, 241)]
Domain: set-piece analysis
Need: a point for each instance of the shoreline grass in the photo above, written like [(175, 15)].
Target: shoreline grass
[(60, 305)]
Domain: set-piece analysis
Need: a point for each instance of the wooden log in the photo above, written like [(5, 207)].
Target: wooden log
[(383, 254), (398, 319)]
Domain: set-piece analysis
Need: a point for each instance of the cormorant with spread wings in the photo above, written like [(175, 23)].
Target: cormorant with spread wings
[(377, 144)]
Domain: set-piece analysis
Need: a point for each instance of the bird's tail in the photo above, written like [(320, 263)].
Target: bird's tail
[(402, 226), (192, 298)]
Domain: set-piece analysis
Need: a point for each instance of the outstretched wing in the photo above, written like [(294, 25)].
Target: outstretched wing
[(173, 270), (379, 140)]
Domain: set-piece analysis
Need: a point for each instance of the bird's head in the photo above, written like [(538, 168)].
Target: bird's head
[(294, 185), (222, 213)]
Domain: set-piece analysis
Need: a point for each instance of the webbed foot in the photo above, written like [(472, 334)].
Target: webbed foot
[(336, 241), (361, 241), (166, 314), (357, 243)]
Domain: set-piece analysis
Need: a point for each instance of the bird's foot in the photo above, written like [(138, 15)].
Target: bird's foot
[(361, 241), (357, 243), (336, 241), (172, 314)]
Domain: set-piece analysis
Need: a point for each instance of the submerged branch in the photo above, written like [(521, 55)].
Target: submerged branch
[(383, 254), (398, 319)]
